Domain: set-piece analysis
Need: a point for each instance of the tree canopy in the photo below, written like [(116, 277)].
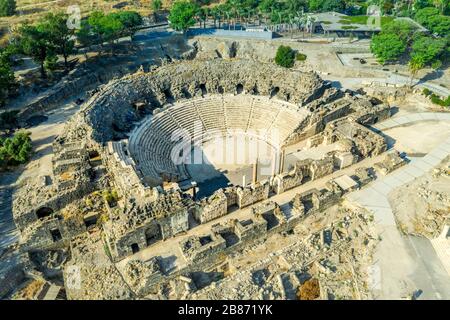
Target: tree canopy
[(433, 20), (388, 47), (35, 42), (7, 79), (182, 15), (427, 51), (7, 8), (59, 35), (285, 57), (15, 150)]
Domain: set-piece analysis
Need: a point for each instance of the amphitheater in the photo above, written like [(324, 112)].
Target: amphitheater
[(142, 136), (212, 120)]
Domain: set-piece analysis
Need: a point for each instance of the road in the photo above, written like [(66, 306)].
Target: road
[(404, 263)]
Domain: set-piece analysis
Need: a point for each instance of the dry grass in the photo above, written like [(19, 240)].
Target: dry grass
[(30, 290), (33, 10), (66, 176), (309, 290)]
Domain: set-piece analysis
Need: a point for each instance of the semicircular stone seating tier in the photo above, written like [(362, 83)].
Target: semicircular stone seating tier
[(151, 144)]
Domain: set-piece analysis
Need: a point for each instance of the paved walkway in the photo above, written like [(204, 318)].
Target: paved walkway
[(404, 263)]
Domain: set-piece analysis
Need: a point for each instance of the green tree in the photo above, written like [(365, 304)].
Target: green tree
[(182, 15), (387, 47), (285, 57), (420, 4), (439, 24), (333, 5), (7, 82), (7, 8), (35, 42), (129, 20), (428, 50), (431, 19), (105, 28), (315, 5), (404, 29), (60, 36), (85, 36), (17, 149), (424, 14)]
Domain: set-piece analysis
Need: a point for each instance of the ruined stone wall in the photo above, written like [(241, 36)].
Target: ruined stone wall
[(322, 167), (196, 252), (131, 224), (250, 229), (111, 113), (212, 207), (231, 194), (143, 276), (365, 143), (26, 214), (254, 193), (39, 233), (288, 180)]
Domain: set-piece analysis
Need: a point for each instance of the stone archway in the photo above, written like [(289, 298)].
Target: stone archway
[(153, 234), (239, 88)]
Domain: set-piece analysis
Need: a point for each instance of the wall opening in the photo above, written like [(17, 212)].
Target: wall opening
[(135, 248), (90, 221), (203, 89), (274, 92), (56, 235), (44, 212), (247, 222), (230, 238), (186, 93), (255, 90), (169, 96), (271, 219), (239, 88), (153, 234), (93, 154), (205, 240)]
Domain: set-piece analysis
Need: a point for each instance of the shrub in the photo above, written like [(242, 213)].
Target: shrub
[(436, 99), (110, 196), (426, 92), (285, 57), (300, 56), (15, 150), (7, 8)]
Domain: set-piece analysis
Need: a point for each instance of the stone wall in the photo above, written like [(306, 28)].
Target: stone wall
[(253, 193), (112, 112), (212, 207)]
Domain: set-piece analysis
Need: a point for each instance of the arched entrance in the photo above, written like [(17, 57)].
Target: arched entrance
[(153, 234)]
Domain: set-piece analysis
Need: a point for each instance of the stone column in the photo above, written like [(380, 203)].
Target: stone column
[(255, 172)]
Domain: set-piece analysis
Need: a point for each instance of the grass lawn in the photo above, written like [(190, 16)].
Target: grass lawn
[(363, 20)]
